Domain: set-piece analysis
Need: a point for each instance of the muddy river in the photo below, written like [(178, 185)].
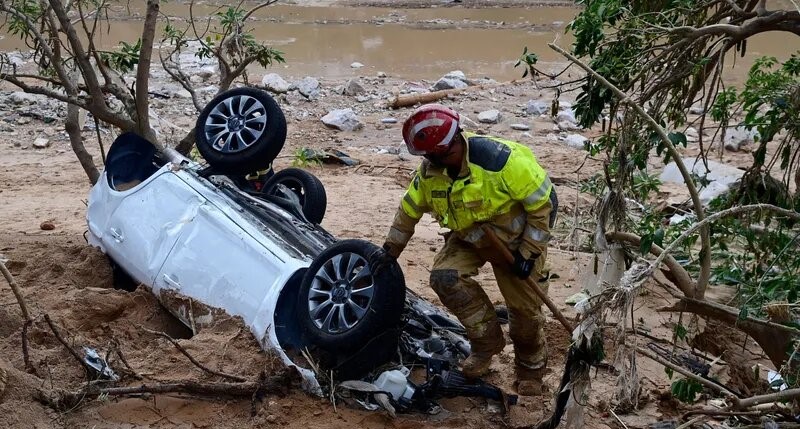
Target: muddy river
[(323, 41)]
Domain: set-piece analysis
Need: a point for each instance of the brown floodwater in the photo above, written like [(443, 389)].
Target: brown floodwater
[(406, 43)]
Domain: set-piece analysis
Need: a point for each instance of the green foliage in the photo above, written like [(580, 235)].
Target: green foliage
[(304, 157), (530, 59), (125, 59), (686, 390), (17, 26)]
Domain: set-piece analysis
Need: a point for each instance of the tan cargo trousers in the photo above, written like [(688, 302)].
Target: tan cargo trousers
[(452, 278)]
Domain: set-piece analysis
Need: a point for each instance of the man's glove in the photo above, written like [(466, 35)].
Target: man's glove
[(385, 257), (522, 267)]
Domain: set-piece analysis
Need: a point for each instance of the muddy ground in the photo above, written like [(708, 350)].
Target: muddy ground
[(62, 276)]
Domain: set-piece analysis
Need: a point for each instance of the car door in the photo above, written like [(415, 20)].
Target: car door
[(146, 223), (215, 261)]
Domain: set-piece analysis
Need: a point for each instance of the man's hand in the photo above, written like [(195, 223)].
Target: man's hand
[(522, 266), (386, 256)]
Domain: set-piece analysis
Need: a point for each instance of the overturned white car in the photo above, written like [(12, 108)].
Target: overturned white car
[(207, 240)]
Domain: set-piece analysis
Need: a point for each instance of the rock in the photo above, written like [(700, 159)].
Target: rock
[(389, 120), (342, 119), (16, 58), (381, 74), (696, 110), (293, 97), (445, 83), (23, 120), (691, 135), (363, 98), (173, 90), (41, 143), (576, 298), (469, 122), (721, 176), (567, 115), (489, 116), (275, 83), (17, 143), (564, 105), (356, 65), (206, 72), (47, 226), (456, 74), (352, 87), (309, 87), (737, 137), (19, 97), (537, 107), (527, 135), (520, 127), (576, 141)]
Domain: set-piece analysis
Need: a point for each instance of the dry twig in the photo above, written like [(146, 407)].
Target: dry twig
[(61, 340), (17, 293)]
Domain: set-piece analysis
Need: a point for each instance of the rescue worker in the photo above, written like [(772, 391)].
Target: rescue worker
[(467, 180)]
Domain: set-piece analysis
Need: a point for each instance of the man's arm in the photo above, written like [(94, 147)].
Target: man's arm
[(411, 209)]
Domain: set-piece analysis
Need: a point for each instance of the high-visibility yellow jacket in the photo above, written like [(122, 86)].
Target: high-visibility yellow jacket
[(500, 183)]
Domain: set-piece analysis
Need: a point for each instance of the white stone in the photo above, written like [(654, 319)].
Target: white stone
[(275, 83), (737, 137), (691, 135), (520, 127), (353, 87), (19, 97), (41, 143), (363, 98), (447, 83), (342, 119), (389, 120), (489, 116), (564, 105), (356, 65), (696, 110), (721, 176), (456, 74), (567, 116), (381, 74), (576, 141), (537, 107), (308, 86)]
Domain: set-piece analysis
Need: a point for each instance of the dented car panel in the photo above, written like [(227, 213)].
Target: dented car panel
[(183, 236)]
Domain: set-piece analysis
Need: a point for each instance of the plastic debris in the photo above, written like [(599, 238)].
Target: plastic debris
[(93, 359)]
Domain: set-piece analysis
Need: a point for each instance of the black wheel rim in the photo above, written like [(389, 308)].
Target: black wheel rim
[(235, 124), (341, 293)]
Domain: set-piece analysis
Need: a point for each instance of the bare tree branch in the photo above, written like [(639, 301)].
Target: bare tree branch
[(17, 293), (193, 360)]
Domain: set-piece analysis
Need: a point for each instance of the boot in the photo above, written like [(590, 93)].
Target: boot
[(529, 381), (477, 364)]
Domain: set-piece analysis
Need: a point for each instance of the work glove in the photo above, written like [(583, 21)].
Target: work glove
[(522, 267), (385, 257)]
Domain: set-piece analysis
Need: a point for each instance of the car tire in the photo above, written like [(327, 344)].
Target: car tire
[(240, 131), (341, 307), (310, 191)]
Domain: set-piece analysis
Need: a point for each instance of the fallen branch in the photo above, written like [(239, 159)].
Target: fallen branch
[(61, 340), (784, 395), (25, 354), (681, 278), (64, 400), (684, 372), (705, 266), (406, 100), (193, 360), (722, 413), (124, 361), (17, 293)]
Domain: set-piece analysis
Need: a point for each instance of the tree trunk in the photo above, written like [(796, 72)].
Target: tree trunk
[(185, 146), (73, 128)]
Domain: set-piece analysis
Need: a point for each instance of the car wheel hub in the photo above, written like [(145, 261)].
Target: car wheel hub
[(341, 293), (235, 124)]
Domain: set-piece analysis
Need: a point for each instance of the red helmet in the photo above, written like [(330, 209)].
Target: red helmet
[(430, 129)]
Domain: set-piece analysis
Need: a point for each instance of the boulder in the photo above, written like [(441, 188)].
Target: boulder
[(489, 116), (520, 127), (19, 97), (41, 143), (308, 86), (445, 83), (356, 65), (576, 141), (537, 107), (721, 176), (737, 137), (692, 135), (275, 83), (342, 119), (353, 88)]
